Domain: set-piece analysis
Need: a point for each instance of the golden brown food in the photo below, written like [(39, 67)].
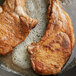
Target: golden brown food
[(49, 55), (15, 25)]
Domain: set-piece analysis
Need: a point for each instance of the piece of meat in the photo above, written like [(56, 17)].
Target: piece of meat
[(15, 25), (50, 54)]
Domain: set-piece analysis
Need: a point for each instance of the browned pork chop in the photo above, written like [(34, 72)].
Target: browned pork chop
[(49, 55), (15, 25)]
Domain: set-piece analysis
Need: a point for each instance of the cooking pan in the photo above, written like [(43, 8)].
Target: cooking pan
[(70, 7)]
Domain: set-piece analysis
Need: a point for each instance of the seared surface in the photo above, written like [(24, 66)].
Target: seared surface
[(49, 55), (15, 25)]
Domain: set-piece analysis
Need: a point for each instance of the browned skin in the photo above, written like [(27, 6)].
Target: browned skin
[(14, 26), (49, 55)]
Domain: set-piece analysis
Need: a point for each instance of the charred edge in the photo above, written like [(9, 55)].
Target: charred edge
[(49, 9)]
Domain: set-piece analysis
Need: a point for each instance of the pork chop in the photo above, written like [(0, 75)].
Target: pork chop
[(15, 25), (50, 54)]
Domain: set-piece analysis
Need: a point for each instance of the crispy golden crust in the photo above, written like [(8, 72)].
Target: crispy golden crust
[(15, 25), (54, 49)]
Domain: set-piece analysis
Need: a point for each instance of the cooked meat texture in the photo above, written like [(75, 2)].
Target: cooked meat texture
[(49, 55), (15, 25)]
